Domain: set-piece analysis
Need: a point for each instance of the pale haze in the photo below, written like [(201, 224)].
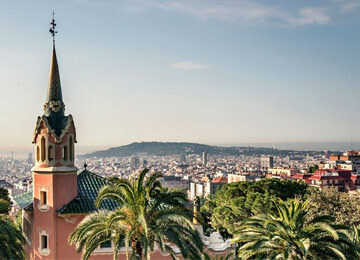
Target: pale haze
[(214, 72)]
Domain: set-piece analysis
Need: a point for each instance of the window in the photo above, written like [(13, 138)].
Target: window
[(65, 153), (43, 149), (37, 153), (50, 153), (106, 244), (44, 247), (105, 247), (44, 242), (43, 198), (71, 149)]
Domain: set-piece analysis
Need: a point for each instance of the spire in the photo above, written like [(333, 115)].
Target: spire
[(54, 108), (54, 103), (54, 88)]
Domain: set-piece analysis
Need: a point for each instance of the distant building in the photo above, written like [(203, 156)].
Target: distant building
[(208, 188), (30, 158), (327, 154), (352, 156), (174, 182), (282, 171), (134, 162), (182, 158), (243, 177), (204, 158), (266, 162), (145, 163), (6, 185)]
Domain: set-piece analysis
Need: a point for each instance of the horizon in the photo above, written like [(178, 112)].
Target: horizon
[(22, 152), (156, 70)]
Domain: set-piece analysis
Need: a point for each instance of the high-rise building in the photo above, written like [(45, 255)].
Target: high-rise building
[(134, 162), (30, 158), (266, 162), (182, 158), (145, 163), (204, 158)]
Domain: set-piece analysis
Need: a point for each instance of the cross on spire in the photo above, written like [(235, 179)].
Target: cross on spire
[(52, 28)]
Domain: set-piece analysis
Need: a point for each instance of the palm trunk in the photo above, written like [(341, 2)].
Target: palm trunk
[(139, 249)]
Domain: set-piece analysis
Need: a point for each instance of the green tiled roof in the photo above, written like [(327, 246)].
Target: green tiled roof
[(24, 200), (89, 185)]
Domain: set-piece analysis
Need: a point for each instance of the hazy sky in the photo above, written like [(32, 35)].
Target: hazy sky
[(226, 71)]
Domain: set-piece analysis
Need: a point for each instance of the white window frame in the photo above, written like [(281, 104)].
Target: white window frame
[(43, 207), (41, 250)]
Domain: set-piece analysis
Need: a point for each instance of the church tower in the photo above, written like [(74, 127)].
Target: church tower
[(54, 173)]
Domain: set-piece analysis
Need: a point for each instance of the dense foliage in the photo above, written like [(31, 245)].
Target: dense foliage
[(5, 201), (147, 215), (344, 206), (12, 240), (286, 235), (238, 201)]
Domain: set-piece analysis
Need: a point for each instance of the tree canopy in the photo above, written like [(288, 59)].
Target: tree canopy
[(344, 206), (240, 200)]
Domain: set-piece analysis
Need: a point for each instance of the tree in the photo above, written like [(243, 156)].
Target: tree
[(147, 214), (238, 201), (12, 240), (4, 197), (344, 206), (354, 238), (287, 235)]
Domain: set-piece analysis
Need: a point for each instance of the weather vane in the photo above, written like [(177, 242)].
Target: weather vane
[(52, 28)]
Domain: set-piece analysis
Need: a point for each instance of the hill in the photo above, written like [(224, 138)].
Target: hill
[(173, 148)]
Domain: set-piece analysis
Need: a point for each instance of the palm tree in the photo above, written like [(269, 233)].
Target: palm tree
[(353, 246), (148, 216), (288, 235), (11, 240)]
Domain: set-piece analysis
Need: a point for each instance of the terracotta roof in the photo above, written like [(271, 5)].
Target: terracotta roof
[(324, 177), (220, 180)]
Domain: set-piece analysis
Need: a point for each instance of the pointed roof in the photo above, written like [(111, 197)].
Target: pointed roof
[(54, 88), (54, 108)]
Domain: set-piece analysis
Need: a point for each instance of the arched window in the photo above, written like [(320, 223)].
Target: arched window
[(43, 153), (65, 153), (71, 149), (37, 153), (50, 153)]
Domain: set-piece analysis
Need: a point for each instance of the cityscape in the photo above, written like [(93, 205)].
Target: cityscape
[(219, 130)]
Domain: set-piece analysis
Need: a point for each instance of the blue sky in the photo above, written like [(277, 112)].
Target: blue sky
[(217, 72)]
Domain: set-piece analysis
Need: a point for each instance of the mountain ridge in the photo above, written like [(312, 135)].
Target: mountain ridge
[(175, 148)]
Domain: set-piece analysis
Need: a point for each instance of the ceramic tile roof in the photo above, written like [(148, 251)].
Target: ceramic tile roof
[(89, 185), (24, 200)]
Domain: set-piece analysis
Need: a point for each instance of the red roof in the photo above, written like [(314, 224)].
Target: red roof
[(323, 177), (331, 170), (220, 180)]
